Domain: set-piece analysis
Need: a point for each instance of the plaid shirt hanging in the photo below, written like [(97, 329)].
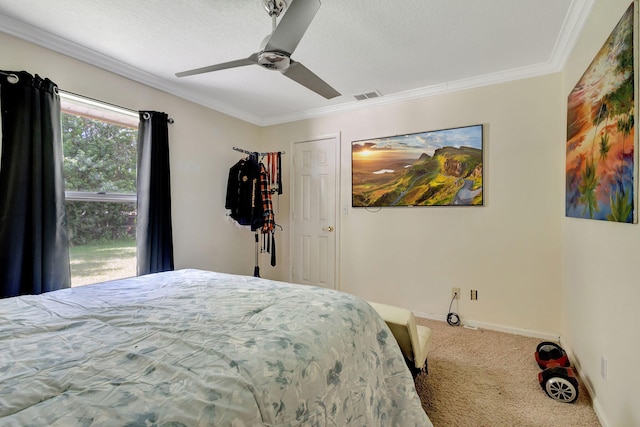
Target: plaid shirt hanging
[(269, 221)]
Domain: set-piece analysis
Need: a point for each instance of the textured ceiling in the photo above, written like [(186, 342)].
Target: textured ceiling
[(403, 49)]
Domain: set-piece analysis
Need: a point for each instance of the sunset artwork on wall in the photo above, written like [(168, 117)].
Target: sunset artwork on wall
[(435, 168), (600, 152)]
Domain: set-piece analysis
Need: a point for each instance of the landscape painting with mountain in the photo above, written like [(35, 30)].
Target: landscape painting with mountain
[(601, 133), (435, 168)]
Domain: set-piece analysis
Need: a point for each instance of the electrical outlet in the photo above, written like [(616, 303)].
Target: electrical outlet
[(474, 294), (455, 293), (603, 367)]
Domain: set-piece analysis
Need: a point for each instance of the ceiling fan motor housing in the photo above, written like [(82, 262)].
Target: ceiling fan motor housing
[(274, 7), (274, 60)]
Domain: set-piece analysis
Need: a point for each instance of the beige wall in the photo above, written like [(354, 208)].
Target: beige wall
[(201, 142), (509, 250), (602, 271)]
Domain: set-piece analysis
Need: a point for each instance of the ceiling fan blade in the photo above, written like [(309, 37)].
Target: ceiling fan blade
[(253, 59), (292, 26), (301, 74)]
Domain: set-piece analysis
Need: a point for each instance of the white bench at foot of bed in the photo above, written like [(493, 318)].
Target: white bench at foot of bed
[(414, 340)]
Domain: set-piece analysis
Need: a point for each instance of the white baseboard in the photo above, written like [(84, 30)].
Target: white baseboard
[(599, 412), (595, 403), (493, 327)]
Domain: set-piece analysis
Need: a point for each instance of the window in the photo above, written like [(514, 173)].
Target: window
[(100, 155)]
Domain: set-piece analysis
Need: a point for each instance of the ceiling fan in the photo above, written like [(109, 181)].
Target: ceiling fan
[(276, 49)]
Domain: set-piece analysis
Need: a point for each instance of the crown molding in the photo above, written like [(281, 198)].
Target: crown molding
[(579, 11), (73, 50), (425, 92), (577, 15)]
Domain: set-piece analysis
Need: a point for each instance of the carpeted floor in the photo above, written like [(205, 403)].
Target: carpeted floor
[(485, 378)]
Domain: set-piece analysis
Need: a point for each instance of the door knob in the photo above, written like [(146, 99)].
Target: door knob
[(329, 229)]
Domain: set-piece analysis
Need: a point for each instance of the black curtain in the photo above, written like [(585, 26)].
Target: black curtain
[(154, 234), (34, 250)]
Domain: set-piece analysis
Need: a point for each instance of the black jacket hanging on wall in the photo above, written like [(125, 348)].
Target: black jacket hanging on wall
[(243, 193)]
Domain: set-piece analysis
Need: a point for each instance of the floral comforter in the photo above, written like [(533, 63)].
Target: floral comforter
[(198, 348)]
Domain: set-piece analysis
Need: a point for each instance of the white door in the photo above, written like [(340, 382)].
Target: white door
[(314, 213)]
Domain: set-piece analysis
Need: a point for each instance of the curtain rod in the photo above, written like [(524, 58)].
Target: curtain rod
[(13, 77), (97, 101), (255, 152)]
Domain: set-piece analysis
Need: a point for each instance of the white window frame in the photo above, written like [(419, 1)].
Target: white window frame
[(86, 107)]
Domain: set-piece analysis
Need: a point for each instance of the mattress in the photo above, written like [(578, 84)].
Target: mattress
[(200, 348)]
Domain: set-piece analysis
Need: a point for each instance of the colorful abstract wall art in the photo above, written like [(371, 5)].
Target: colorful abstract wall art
[(601, 147)]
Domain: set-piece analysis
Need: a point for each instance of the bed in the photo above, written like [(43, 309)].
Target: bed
[(198, 348)]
